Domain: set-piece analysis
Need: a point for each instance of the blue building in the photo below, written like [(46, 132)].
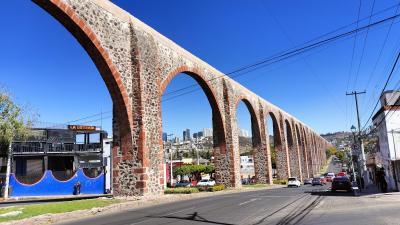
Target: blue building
[(54, 161)]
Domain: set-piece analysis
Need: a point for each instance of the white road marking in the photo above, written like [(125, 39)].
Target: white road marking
[(249, 201), (273, 196)]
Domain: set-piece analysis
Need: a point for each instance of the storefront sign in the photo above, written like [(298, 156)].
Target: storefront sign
[(81, 127)]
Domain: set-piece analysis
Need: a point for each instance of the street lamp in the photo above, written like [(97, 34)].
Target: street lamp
[(353, 129)]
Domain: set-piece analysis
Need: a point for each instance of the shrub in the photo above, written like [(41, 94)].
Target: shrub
[(181, 190), (202, 188), (283, 182), (218, 187)]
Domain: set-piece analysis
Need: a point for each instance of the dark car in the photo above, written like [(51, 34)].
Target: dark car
[(307, 181), (318, 181), (183, 183), (341, 183)]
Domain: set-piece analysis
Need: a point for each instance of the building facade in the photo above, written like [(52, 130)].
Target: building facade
[(387, 123), (54, 161)]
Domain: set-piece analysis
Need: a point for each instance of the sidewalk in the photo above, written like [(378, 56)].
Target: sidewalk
[(373, 190), (33, 199)]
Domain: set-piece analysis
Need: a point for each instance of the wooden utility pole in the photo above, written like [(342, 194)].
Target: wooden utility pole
[(364, 163)]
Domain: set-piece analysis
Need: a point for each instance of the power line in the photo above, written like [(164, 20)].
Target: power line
[(383, 89), (364, 45), (304, 60), (378, 59), (290, 54), (354, 47), (277, 55), (390, 100), (352, 55)]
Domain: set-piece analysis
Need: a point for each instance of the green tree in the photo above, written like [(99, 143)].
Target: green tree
[(13, 124), (194, 170), (273, 156), (340, 155), (330, 151)]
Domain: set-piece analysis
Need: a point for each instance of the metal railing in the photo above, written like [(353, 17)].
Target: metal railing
[(38, 147)]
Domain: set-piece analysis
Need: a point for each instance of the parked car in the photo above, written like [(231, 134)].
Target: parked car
[(329, 177), (307, 181), (341, 183), (318, 181), (293, 182), (246, 181), (206, 182), (183, 183)]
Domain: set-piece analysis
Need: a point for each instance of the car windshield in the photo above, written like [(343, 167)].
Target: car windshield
[(183, 181), (204, 181), (292, 179)]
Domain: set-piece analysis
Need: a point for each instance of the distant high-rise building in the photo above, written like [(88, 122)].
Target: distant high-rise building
[(195, 135), (207, 132), (200, 134), (186, 135), (176, 140), (164, 137)]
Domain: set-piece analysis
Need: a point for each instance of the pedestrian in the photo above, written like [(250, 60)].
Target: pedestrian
[(78, 188)]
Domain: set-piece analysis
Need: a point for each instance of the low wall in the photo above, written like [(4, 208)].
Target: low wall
[(48, 185)]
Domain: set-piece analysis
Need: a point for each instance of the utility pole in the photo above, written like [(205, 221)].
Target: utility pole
[(364, 164)]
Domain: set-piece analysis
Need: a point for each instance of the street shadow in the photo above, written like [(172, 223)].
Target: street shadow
[(330, 193), (192, 217)]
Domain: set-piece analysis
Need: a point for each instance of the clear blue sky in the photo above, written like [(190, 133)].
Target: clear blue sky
[(46, 68)]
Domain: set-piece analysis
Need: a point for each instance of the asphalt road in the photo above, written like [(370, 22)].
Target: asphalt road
[(306, 205), (277, 206), (273, 206)]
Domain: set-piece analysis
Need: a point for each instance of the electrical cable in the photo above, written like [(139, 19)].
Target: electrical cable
[(363, 49), (288, 50), (383, 89)]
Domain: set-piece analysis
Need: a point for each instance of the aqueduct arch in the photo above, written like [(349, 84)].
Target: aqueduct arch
[(260, 156), (219, 151), (292, 149), (136, 63)]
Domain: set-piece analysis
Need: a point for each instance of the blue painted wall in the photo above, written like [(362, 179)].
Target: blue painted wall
[(49, 185)]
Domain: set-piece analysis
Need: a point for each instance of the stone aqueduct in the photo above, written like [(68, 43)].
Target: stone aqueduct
[(137, 63)]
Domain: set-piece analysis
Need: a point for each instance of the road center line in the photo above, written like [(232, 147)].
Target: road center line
[(249, 201), (273, 196)]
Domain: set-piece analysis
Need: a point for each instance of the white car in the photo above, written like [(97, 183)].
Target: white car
[(293, 182), (206, 182)]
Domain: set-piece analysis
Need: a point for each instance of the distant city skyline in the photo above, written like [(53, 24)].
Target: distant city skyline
[(206, 132)]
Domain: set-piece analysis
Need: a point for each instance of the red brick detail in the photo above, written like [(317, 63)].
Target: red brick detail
[(139, 170)]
